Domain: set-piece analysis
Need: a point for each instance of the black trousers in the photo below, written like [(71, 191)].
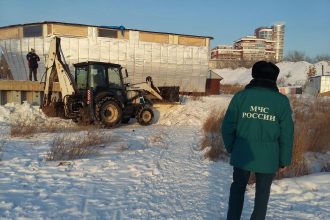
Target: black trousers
[(237, 191), (34, 71)]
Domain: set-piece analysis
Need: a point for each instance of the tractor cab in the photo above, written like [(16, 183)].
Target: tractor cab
[(100, 77)]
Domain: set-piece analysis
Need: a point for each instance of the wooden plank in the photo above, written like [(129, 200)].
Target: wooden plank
[(173, 39), (192, 41), (123, 35), (9, 33), (15, 85), (154, 37), (49, 29), (70, 30), (13, 96)]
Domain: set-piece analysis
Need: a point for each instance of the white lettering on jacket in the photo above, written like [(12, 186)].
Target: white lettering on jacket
[(260, 113)]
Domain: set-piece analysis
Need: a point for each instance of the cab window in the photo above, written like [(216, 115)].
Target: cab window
[(81, 77), (98, 77), (114, 77)]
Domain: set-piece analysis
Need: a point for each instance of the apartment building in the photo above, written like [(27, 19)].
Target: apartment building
[(226, 52), (265, 44)]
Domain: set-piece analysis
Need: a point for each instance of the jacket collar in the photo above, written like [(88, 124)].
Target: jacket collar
[(265, 83)]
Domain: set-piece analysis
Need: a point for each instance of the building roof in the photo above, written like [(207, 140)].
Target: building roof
[(214, 75), (109, 27), (96, 63), (253, 38), (319, 76)]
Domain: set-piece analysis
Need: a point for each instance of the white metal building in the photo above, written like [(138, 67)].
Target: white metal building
[(319, 84), (170, 59)]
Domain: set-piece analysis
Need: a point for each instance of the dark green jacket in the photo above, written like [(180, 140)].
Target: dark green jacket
[(257, 129)]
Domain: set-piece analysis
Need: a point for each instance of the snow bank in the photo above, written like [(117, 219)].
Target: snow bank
[(191, 113), (318, 162), (291, 73), (26, 114)]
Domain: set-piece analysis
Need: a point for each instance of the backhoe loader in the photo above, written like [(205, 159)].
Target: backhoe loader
[(96, 93)]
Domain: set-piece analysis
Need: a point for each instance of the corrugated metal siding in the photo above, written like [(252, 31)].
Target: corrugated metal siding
[(168, 64)]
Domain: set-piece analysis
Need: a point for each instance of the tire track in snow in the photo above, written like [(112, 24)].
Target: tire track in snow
[(181, 171)]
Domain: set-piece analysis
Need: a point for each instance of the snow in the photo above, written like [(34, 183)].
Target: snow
[(152, 172), (291, 73)]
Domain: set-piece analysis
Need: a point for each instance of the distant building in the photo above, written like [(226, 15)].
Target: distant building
[(226, 52), (264, 33), (266, 44), (278, 37), (170, 59), (213, 83), (318, 85)]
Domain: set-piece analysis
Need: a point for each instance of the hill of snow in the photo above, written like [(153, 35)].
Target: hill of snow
[(291, 73)]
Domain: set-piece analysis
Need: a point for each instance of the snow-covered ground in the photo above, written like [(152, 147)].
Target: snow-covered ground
[(153, 172), (291, 73)]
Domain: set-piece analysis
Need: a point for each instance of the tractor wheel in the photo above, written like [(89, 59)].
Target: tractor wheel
[(145, 116), (109, 112)]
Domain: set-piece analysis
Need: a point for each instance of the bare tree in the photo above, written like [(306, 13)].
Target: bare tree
[(311, 71), (296, 56), (322, 57)]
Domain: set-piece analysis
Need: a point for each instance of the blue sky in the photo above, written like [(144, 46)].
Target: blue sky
[(307, 21)]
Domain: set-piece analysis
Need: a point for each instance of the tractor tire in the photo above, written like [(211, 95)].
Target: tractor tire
[(145, 116), (109, 112)]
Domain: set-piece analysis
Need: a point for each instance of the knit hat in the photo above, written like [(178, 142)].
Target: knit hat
[(265, 70)]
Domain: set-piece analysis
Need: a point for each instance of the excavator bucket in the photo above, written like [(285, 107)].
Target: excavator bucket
[(54, 109)]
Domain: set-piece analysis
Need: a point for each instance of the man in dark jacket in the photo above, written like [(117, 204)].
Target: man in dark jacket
[(33, 59), (258, 133)]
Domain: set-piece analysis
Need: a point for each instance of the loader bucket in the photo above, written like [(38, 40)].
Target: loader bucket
[(170, 93)]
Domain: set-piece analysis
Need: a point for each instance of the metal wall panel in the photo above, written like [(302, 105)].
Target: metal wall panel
[(324, 84), (83, 50), (94, 50), (122, 53), (25, 50), (104, 50), (16, 54), (172, 54), (134, 36), (11, 56), (74, 53), (39, 48), (114, 51), (139, 59), (167, 64)]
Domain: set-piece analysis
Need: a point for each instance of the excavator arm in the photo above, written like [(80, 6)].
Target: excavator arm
[(57, 70), (146, 87)]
